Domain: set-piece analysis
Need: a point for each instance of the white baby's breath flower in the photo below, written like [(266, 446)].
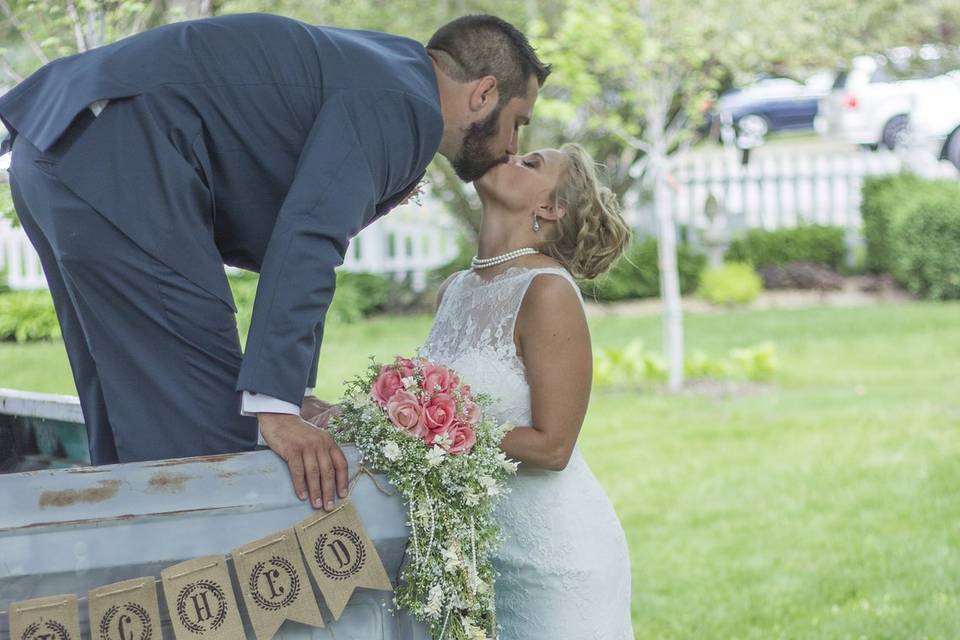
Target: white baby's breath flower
[(409, 382), (444, 440), (490, 485), (473, 631), (506, 464), (391, 451), (434, 601), (471, 499), (451, 559), (435, 456)]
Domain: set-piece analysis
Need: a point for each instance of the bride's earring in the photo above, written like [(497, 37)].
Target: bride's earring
[(536, 223)]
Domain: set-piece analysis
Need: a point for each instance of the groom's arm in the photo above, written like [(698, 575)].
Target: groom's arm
[(364, 147), (360, 150)]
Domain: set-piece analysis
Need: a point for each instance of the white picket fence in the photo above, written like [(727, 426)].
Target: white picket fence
[(404, 245), (776, 190), (771, 192)]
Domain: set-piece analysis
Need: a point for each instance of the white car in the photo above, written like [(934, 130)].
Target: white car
[(870, 102), (935, 119)]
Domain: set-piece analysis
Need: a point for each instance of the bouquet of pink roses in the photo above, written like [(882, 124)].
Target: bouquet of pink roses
[(418, 423)]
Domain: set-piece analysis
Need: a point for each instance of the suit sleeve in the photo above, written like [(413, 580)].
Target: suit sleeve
[(360, 148)]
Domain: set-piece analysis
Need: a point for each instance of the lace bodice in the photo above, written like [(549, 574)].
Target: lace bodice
[(473, 333), (563, 570)]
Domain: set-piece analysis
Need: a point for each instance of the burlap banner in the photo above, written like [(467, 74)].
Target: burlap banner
[(125, 610), (51, 618), (275, 583), (200, 599), (340, 555)]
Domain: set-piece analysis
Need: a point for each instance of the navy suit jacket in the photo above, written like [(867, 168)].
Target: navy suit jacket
[(290, 137)]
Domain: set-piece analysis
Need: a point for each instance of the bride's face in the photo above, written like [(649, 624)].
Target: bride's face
[(523, 182)]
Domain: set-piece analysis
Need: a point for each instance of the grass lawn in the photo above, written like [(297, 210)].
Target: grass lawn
[(827, 507)]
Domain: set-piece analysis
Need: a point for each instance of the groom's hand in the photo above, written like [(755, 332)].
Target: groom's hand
[(317, 465)]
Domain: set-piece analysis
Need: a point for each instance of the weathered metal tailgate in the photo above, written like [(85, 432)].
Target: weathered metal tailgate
[(71, 530)]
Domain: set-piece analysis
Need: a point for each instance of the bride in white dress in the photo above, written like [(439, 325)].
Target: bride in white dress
[(514, 328)]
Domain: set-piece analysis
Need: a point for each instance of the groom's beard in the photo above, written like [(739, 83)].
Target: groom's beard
[(475, 157)]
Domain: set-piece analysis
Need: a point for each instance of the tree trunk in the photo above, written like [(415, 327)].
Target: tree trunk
[(667, 250)]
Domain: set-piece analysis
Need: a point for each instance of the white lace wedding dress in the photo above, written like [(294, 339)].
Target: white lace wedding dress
[(564, 570)]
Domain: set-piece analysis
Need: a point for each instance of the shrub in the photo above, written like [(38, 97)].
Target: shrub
[(732, 283), (883, 196), (819, 244), (357, 296), (637, 273), (924, 240), (28, 316), (634, 366)]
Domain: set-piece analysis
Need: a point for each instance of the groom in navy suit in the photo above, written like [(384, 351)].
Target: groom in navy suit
[(140, 168)]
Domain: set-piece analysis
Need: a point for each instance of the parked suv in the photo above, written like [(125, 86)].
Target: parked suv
[(870, 101), (935, 119)]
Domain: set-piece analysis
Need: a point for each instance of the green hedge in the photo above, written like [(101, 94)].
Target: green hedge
[(819, 244), (357, 296), (912, 230), (637, 273), (28, 316), (924, 241), (883, 198)]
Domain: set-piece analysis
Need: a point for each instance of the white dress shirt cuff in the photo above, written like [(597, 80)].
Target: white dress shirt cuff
[(254, 403)]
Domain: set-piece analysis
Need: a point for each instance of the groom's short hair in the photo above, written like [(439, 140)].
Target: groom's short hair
[(484, 45)]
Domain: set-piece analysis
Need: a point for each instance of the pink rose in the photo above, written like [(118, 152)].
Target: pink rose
[(386, 384), (407, 367), (465, 392), (406, 413), (471, 412), (437, 379), (462, 437), (438, 415)]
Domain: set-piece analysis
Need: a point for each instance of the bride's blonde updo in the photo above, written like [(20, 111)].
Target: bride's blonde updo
[(592, 233)]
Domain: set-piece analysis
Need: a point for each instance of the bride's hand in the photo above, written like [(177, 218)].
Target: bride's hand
[(317, 412), (317, 465), (313, 407)]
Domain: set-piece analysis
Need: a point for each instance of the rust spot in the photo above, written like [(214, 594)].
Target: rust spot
[(85, 470), (175, 462), (226, 475), (104, 490), (166, 482)]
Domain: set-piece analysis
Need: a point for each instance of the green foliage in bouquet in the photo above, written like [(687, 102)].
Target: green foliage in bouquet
[(449, 487)]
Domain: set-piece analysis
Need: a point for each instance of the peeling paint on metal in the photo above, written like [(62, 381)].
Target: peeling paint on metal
[(104, 490), (122, 518), (220, 457)]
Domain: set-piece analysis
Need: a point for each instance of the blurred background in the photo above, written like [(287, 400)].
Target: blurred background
[(784, 453)]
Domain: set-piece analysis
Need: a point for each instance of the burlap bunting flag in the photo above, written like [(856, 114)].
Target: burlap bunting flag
[(275, 583), (51, 618), (200, 599), (125, 610), (340, 555)]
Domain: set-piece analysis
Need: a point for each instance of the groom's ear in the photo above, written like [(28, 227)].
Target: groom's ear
[(485, 94)]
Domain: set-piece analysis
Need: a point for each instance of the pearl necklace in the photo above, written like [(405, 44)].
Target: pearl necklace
[(483, 263)]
